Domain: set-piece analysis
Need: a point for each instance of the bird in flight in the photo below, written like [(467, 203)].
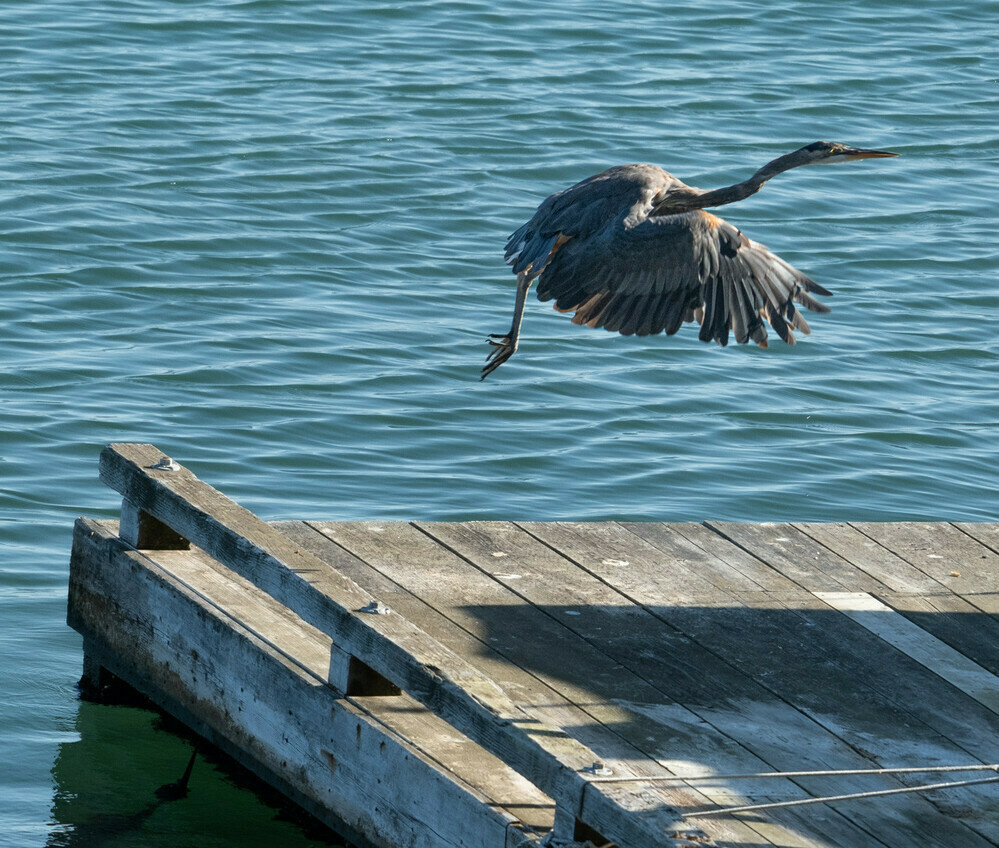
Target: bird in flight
[(632, 250)]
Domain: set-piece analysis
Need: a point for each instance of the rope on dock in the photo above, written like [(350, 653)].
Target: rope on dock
[(800, 802), (661, 778), (721, 811)]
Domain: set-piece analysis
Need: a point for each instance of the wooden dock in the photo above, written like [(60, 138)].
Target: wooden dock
[(500, 684)]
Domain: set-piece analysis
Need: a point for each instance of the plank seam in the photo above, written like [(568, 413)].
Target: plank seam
[(983, 542), (946, 589), (968, 597), (756, 554), (929, 651), (590, 787), (809, 717), (541, 682), (803, 528)]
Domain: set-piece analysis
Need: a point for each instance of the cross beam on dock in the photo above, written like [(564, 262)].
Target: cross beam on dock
[(448, 684)]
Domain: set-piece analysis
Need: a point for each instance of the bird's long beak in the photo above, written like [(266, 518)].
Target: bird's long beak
[(858, 153)]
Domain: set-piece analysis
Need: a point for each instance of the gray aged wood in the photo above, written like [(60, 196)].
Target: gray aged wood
[(873, 559), (814, 673), (528, 638), (141, 530), (969, 623), (393, 646), (658, 703), (234, 664), (944, 552), (534, 649)]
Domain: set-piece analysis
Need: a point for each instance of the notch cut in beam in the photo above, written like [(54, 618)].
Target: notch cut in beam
[(146, 532), (363, 680)]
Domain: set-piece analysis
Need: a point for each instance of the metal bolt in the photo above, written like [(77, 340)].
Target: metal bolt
[(600, 769)]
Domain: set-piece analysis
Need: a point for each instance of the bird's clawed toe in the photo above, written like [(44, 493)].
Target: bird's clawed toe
[(501, 352)]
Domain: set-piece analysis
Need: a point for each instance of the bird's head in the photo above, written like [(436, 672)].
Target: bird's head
[(833, 151)]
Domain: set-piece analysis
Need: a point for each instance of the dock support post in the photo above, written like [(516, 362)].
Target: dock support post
[(100, 684), (564, 828), (145, 532), (95, 677)]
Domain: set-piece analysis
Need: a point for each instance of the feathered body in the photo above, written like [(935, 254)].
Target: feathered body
[(599, 251), (632, 250)]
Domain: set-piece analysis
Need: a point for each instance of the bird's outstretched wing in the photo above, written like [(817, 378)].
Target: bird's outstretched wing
[(641, 275)]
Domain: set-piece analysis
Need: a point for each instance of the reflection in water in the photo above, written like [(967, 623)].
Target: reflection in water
[(178, 789), (123, 781), (104, 827)]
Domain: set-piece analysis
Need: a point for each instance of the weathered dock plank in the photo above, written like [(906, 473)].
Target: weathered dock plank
[(797, 556), (391, 645), (970, 628), (942, 551), (665, 710), (232, 663), (693, 549), (578, 680), (451, 685), (913, 641), (877, 561), (899, 681), (792, 646)]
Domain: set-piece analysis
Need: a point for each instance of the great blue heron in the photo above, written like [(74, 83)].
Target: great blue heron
[(632, 250)]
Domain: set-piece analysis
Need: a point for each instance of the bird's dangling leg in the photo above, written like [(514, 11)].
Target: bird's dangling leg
[(504, 346)]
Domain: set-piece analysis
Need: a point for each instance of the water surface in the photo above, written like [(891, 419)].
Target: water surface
[(267, 236)]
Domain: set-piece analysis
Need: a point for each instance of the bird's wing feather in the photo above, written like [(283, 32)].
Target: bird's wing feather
[(640, 275), (581, 211)]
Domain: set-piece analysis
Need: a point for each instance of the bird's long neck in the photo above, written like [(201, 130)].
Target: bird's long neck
[(672, 205)]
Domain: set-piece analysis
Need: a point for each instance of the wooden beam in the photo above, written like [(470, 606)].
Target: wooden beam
[(390, 645), (240, 669)]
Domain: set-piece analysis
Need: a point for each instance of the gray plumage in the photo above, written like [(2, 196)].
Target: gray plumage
[(632, 250)]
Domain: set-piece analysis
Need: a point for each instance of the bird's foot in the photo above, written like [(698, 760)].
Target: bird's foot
[(501, 352)]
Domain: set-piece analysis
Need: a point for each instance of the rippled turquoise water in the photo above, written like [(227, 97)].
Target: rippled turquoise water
[(267, 236)]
